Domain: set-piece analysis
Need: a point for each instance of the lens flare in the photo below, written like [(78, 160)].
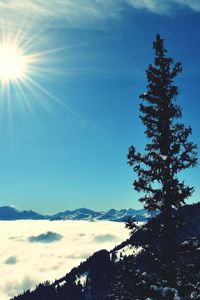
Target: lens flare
[(27, 62), (13, 64)]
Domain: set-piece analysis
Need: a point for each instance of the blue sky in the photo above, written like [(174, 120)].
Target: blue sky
[(64, 144)]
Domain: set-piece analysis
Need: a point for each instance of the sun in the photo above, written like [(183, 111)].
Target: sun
[(26, 66), (13, 63)]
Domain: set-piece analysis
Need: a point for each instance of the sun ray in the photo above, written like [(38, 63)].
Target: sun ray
[(25, 101), (37, 97), (28, 41), (56, 99), (50, 95), (41, 70), (24, 64), (19, 36), (25, 36), (10, 113), (44, 54)]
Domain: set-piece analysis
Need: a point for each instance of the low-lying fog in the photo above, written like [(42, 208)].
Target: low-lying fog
[(35, 251)]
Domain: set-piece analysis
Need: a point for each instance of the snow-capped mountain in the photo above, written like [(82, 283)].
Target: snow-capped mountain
[(110, 215), (11, 213)]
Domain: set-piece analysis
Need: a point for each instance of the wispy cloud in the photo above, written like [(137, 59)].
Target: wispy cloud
[(193, 4), (155, 6), (87, 13), (164, 7), (70, 13)]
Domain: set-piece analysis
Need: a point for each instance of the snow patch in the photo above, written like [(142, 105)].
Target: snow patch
[(82, 279), (127, 251), (164, 157)]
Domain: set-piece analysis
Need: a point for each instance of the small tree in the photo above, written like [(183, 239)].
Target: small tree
[(169, 150)]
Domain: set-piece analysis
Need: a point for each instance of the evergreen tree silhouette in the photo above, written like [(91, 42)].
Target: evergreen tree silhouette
[(169, 150)]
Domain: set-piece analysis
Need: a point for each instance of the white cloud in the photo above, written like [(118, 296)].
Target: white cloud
[(13, 287), (70, 13), (193, 4), (155, 6), (87, 13), (25, 264), (164, 7)]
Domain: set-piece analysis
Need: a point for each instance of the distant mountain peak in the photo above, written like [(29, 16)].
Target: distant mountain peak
[(11, 213)]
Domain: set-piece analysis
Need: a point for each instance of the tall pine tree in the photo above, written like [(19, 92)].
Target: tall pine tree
[(169, 150)]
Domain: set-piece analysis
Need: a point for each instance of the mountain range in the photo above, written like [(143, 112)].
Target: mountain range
[(10, 213)]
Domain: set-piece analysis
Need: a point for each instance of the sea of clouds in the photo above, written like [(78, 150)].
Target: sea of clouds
[(34, 251)]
